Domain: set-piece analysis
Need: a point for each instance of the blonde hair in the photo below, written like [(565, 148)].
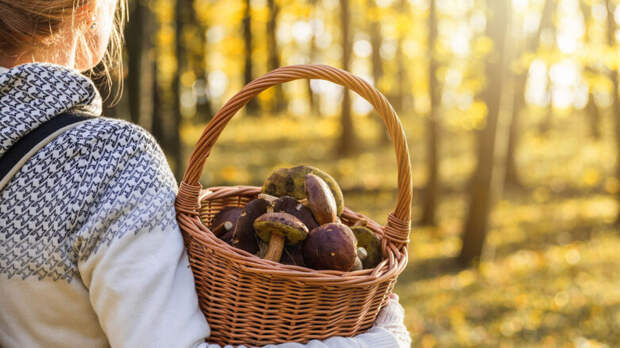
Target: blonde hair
[(32, 23)]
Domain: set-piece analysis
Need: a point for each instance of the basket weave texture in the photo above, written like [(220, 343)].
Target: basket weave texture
[(251, 301)]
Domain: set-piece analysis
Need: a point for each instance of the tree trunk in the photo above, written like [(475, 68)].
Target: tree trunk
[(594, 116), (403, 91), (545, 126), (613, 76), (313, 98), (252, 107), (175, 149), (139, 47), (512, 179), (279, 101), (157, 109), (198, 60), (377, 62), (431, 191), (347, 142), (480, 198)]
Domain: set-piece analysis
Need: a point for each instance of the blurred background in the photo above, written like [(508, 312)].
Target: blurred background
[(513, 119)]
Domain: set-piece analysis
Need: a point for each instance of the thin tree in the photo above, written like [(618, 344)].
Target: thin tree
[(157, 112), (431, 191), (549, 25), (479, 200), (346, 145), (175, 149), (273, 61), (252, 107), (592, 111), (376, 40), (613, 76), (140, 64), (313, 98), (512, 179), (402, 83), (197, 52)]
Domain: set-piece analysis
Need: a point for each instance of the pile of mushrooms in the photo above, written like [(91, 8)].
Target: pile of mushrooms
[(296, 221)]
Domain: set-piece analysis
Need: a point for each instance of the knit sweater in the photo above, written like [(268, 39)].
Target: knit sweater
[(90, 251)]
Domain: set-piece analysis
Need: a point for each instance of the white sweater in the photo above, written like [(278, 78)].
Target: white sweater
[(90, 251)]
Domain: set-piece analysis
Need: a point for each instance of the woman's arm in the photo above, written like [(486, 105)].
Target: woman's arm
[(131, 255), (134, 264)]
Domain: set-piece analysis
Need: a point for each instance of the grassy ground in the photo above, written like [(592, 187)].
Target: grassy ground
[(550, 274)]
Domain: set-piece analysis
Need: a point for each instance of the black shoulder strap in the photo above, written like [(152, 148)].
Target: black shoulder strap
[(15, 157)]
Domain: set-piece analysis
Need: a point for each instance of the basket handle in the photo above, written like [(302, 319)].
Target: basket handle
[(399, 222)]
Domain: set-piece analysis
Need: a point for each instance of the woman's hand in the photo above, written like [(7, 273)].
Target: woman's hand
[(389, 331)]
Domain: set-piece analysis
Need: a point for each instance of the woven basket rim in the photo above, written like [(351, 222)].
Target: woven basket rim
[(390, 266)]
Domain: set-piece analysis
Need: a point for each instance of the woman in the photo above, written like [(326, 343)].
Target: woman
[(90, 252)]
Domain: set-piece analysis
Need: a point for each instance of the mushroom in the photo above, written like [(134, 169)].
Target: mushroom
[(362, 254), (244, 236), (368, 240), (320, 200), (292, 206), (293, 255), (225, 220), (291, 182), (357, 265), (331, 246), (278, 228)]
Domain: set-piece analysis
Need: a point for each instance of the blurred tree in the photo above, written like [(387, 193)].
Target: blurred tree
[(252, 107), (431, 191), (512, 179), (613, 76), (313, 98), (549, 29), (403, 93), (159, 120), (279, 101), (138, 34), (175, 149), (376, 40), (592, 112), (197, 59), (479, 201), (347, 142)]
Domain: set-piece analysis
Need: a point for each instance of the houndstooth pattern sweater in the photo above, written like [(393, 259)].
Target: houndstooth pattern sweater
[(90, 251)]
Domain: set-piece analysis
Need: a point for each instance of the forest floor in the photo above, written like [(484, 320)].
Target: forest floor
[(550, 272)]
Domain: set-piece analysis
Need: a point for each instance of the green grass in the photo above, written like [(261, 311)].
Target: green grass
[(550, 273)]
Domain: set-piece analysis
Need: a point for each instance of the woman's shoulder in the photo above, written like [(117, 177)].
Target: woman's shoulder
[(110, 131), (117, 145)]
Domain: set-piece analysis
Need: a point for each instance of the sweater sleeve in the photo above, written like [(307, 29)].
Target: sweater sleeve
[(131, 255)]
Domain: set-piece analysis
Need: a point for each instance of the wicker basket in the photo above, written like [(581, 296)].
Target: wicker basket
[(251, 301)]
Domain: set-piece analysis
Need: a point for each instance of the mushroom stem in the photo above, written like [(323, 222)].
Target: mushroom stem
[(221, 228), (269, 198), (276, 245), (362, 254)]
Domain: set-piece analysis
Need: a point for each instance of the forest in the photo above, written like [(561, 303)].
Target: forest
[(512, 115)]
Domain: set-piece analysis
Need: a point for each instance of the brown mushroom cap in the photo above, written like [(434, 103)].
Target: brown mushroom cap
[(278, 229), (228, 214), (331, 246), (284, 224), (244, 236), (292, 206), (291, 182), (321, 200), (368, 240)]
